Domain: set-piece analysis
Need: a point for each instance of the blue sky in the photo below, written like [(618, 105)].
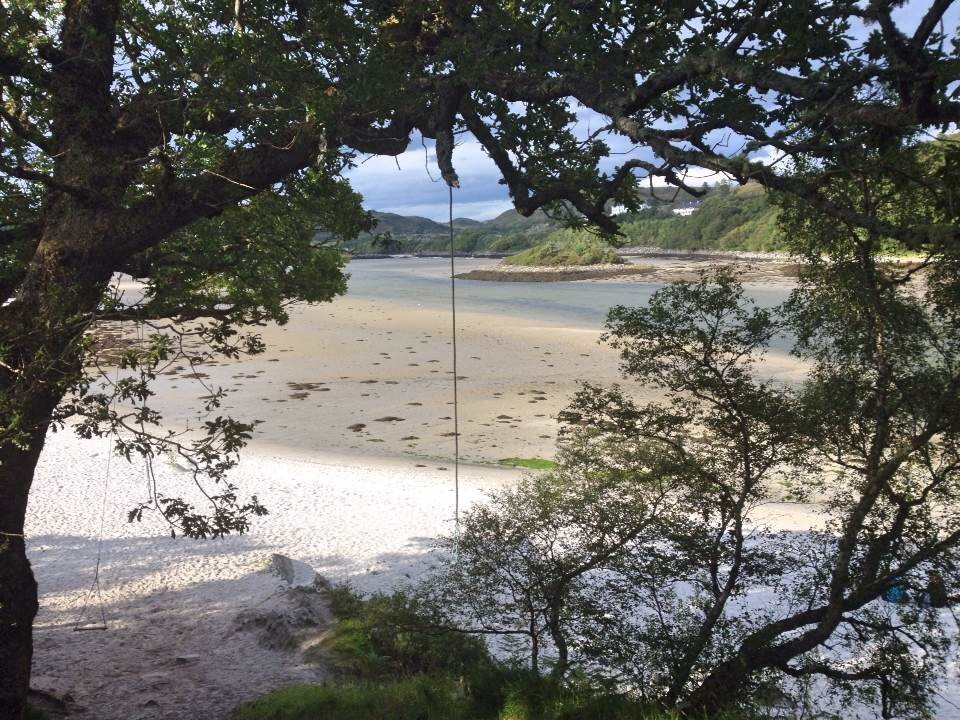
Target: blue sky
[(403, 184)]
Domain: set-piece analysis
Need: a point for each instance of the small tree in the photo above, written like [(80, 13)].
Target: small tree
[(522, 564), (707, 606)]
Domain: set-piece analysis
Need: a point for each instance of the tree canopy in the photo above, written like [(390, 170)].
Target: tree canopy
[(195, 144)]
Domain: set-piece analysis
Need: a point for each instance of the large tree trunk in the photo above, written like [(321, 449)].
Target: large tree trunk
[(41, 334), (18, 589)]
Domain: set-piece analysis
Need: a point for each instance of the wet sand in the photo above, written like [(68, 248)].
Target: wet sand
[(365, 377)]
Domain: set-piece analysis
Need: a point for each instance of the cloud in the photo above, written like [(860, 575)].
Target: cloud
[(439, 211), (410, 184)]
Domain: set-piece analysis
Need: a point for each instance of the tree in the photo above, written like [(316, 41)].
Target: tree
[(131, 134), (709, 607), (523, 562), (189, 146)]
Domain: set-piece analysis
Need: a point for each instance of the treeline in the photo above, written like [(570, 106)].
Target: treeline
[(469, 240), (740, 218), (730, 218)]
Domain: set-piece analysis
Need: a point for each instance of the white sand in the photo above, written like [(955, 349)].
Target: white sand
[(365, 521), (371, 524)]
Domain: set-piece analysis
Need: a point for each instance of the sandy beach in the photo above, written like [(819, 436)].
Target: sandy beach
[(352, 456), (171, 604), (364, 377)]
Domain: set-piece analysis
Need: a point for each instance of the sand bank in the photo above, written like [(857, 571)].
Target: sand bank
[(361, 377)]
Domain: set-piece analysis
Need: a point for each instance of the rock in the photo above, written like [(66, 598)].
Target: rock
[(186, 659), (293, 572), (43, 682), (156, 678), (289, 619)]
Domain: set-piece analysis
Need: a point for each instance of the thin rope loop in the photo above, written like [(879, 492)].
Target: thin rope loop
[(456, 399)]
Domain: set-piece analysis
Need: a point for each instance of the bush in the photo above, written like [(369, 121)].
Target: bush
[(536, 697), (387, 636), (394, 667), (35, 713), (433, 697), (567, 247)]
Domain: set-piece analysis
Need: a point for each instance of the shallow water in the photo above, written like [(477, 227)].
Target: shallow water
[(584, 303)]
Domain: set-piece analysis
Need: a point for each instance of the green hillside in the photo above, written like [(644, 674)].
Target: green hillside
[(729, 218), (740, 218)]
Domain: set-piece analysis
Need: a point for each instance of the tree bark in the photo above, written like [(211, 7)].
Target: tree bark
[(18, 589), (41, 332)]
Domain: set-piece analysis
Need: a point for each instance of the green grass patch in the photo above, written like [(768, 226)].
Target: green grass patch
[(413, 698), (529, 463)]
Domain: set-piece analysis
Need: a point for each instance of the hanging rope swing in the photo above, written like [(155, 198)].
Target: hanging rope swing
[(456, 399), (94, 592), (444, 149)]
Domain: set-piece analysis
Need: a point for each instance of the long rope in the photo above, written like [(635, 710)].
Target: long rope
[(95, 584), (456, 399)]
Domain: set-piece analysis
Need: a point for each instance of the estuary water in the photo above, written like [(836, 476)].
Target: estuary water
[(584, 303)]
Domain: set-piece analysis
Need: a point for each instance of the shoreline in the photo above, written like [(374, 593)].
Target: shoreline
[(556, 273)]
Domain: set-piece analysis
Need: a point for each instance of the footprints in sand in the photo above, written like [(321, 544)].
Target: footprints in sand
[(509, 392)]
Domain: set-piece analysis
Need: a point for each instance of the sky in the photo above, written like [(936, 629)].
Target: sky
[(410, 183)]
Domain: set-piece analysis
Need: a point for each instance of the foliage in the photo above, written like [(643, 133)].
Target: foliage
[(436, 698), (738, 219), (395, 661), (125, 124), (644, 559), (523, 562), (566, 247), (35, 714), (385, 636), (529, 463)]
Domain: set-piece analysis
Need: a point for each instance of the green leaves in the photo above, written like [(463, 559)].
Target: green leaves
[(246, 265)]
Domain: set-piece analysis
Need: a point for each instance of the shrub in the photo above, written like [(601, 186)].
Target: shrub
[(385, 636), (567, 247)]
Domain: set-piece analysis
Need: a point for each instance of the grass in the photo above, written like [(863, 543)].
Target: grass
[(433, 697), (413, 698), (529, 463), (388, 668), (575, 249)]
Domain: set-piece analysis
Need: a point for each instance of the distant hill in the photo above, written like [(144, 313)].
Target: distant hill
[(507, 232), (512, 221), (729, 218), (407, 224)]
